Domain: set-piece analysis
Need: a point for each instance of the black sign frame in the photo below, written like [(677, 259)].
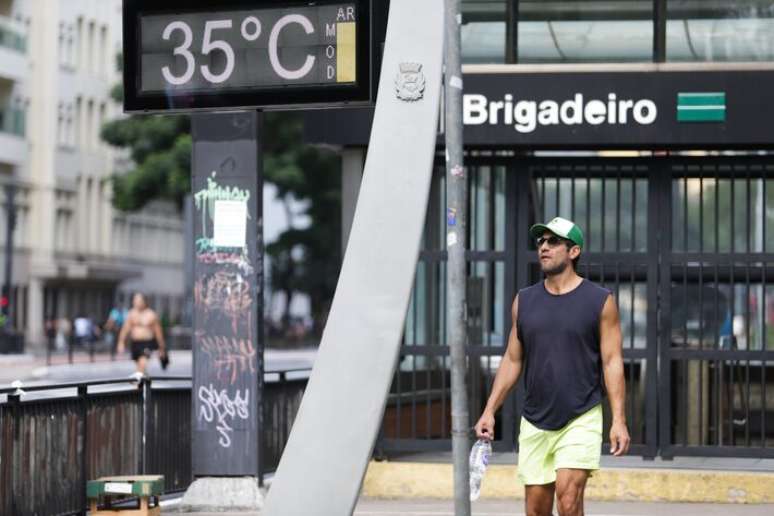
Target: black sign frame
[(749, 102), (270, 98)]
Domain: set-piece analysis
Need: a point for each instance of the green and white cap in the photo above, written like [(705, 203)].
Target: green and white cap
[(559, 227)]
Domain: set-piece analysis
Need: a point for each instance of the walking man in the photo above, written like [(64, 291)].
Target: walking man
[(143, 328), (566, 336)]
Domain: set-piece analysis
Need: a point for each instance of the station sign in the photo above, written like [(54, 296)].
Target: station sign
[(201, 55), (677, 107)]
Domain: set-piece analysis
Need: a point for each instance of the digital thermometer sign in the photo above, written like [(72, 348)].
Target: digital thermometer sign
[(189, 56)]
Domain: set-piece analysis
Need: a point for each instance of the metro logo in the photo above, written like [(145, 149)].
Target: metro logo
[(526, 115), (701, 107)]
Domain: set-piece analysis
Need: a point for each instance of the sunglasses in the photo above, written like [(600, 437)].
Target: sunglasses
[(552, 241)]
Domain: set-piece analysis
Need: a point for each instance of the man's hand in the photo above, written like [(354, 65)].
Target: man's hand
[(485, 426), (619, 439)]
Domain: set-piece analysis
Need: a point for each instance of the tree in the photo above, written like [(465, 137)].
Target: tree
[(303, 259)]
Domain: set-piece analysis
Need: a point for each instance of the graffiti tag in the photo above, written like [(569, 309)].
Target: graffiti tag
[(231, 357), (217, 406)]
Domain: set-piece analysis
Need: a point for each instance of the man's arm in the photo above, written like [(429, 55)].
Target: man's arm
[(612, 365), (123, 333), (159, 334), (506, 377)]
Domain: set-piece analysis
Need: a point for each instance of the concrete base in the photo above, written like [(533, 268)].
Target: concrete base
[(222, 494)]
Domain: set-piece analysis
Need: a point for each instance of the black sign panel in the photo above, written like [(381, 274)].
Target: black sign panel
[(596, 110), (696, 109), (190, 55), (227, 346)]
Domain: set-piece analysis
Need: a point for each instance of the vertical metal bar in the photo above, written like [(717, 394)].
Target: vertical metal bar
[(604, 212), (512, 32), (655, 255), (763, 307), (730, 422), (732, 367), (632, 293), (684, 361), (83, 398), (588, 210), (701, 346), (716, 342), (618, 212), (573, 179), (701, 309), (634, 413), (428, 400), (659, 304), (763, 342), (659, 30), (145, 385), (10, 453), (520, 193), (633, 230), (557, 206), (747, 308)]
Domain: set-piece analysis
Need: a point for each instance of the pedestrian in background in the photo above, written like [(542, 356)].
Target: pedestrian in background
[(143, 329), (112, 327)]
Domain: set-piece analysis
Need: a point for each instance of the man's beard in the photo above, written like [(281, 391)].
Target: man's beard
[(553, 271)]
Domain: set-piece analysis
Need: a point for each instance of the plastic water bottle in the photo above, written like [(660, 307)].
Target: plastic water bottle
[(479, 459)]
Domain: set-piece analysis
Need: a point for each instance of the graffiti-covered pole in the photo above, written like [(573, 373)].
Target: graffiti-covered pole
[(228, 295)]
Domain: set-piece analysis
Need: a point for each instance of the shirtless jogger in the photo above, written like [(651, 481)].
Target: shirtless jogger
[(143, 328)]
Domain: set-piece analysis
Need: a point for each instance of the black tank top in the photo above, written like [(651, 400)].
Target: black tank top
[(562, 364)]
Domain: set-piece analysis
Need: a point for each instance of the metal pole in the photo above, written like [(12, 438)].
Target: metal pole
[(259, 292), (456, 203)]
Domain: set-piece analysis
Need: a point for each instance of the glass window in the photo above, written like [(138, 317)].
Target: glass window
[(578, 31), (483, 31), (742, 30)]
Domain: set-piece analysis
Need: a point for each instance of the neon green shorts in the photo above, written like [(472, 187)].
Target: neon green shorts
[(578, 445)]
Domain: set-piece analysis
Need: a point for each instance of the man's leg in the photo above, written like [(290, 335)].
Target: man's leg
[(142, 362), (539, 499), (570, 485)]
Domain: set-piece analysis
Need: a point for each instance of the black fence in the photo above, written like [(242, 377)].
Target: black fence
[(54, 438)]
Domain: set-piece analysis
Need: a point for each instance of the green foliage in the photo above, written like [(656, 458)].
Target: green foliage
[(160, 147)]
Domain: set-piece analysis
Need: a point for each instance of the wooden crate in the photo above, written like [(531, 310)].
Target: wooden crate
[(110, 490)]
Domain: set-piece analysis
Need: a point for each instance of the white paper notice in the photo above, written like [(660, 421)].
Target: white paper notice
[(118, 487), (230, 224)]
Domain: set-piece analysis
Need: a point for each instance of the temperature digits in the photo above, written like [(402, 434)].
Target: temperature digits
[(250, 30)]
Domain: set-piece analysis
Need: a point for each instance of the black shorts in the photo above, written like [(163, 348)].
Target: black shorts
[(143, 348)]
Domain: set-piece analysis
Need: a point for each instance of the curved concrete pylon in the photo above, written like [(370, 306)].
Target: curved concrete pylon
[(326, 456)]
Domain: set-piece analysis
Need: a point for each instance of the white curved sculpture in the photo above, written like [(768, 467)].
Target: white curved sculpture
[(325, 459)]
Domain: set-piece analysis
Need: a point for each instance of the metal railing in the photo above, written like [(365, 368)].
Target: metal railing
[(54, 438)]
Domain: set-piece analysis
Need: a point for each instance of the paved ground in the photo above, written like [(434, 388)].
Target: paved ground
[(515, 508), (30, 369)]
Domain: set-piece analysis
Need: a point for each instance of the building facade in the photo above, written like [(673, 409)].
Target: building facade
[(72, 252), (648, 124)]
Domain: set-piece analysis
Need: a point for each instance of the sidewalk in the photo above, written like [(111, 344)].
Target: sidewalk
[(683, 480), (372, 507), (30, 367)]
